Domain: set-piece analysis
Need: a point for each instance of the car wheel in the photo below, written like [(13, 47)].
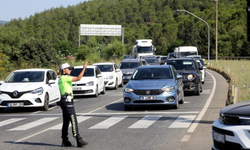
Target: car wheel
[(58, 103), (177, 103), (201, 89), (198, 90), (104, 90), (96, 91), (46, 103), (116, 85), (127, 107), (182, 98), (121, 85)]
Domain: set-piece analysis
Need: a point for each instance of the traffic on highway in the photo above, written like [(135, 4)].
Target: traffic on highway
[(107, 122)]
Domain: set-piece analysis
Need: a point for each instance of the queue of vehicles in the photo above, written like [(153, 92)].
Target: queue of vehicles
[(149, 83)]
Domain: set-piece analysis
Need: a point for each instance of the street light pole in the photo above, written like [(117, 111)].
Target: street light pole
[(208, 38), (216, 36)]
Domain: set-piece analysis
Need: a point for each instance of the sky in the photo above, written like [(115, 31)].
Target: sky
[(14, 9)]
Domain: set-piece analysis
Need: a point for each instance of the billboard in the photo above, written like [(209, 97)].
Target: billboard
[(100, 30)]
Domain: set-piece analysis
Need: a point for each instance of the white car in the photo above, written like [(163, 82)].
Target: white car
[(30, 88), (203, 71), (231, 131), (92, 82), (112, 75)]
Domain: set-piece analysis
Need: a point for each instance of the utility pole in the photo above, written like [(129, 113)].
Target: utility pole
[(216, 36), (248, 20)]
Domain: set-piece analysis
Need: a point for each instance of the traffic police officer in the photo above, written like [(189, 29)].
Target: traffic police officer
[(67, 104)]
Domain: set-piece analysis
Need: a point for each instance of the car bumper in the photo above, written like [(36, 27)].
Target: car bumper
[(235, 136), (161, 99), (190, 86), (26, 100), (126, 79), (109, 83), (83, 90)]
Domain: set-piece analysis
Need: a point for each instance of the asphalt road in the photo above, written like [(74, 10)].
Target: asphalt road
[(105, 124)]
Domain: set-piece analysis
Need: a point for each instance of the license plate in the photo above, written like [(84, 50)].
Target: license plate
[(77, 88), (218, 137), (148, 97), (15, 105)]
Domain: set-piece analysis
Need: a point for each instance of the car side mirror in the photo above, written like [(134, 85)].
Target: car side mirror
[(99, 75), (117, 70), (52, 81), (179, 76)]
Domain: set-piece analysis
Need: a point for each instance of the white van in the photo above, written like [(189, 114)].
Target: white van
[(183, 51), (143, 47)]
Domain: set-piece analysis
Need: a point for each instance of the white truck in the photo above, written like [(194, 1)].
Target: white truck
[(143, 47), (184, 51)]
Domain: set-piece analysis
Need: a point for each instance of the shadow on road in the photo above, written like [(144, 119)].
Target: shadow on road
[(30, 143)]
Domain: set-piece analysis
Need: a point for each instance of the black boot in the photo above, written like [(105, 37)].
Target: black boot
[(66, 142), (80, 142)]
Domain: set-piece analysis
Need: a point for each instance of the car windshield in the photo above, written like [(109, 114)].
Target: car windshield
[(182, 64), (26, 76), (129, 65), (202, 62), (89, 72), (145, 49), (106, 68), (183, 54), (152, 73)]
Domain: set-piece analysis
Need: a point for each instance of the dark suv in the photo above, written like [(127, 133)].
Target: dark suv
[(190, 72)]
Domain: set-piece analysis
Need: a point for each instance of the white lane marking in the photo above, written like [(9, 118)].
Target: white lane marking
[(204, 109), (108, 122), (145, 122), (79, 120), (139, 113), (33, 124), (9, 121), (185, 138), (113, 113), (182, 121)]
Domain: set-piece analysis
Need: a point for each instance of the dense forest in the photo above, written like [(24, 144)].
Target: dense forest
[(47, 38)]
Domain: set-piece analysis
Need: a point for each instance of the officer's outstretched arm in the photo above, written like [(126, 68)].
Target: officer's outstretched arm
[(81, 74)]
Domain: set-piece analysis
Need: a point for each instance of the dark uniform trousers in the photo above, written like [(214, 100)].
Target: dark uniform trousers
[(69, 115)]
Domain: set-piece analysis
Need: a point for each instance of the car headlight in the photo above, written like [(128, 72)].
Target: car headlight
[(222, 118), (128, 90), (38, 91), (90, 83), (190, 77), (110, 77), (168, 89)]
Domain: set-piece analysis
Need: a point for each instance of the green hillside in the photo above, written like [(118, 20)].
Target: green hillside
[(46, 38)]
